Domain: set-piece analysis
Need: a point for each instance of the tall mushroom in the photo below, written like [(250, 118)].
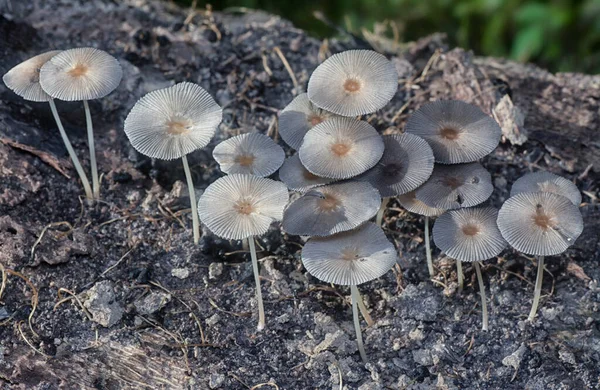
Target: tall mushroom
[(24, 80), (349, 259), (82, 74), (239, 207), (172, 122), (470, 235), (251, 153), (539, 224)]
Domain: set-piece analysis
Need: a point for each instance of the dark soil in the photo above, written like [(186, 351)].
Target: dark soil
[(159, 312)]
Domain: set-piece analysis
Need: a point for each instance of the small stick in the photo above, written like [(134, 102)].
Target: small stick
[(483, 299), (359, 340), (538, 289), (287, 67), (261, 309), (428, 249), (94, 166), (381, 211), (192, 192), (459, 274)]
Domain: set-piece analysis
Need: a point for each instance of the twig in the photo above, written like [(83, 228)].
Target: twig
[(53, 224), (27, 341), (44, 156), (117, 263), (34, 296), (72, 296), (274, 385), (288, 68)]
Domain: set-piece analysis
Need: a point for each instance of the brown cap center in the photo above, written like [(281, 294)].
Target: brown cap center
[(79, 70), (470, 230), (308, 175), (315, 120), (452, 182), (352, 86), (244, 207), (449, 133), (391, 170), (328, 203), (542, 219), (340, 149), (350, 253), (178, 127), (245, 160)]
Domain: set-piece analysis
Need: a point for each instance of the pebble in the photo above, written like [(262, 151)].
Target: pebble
[(152, 303), (514, 359), (102, 305), (180, 273), (215, 270)]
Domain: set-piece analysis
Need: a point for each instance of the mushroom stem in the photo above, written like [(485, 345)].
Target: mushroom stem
[(84, 180), (261, 309), (192, 191), (459, 274), (93, 165), (484, 311), (538, 288), (355, 298), (363, 310), (428, 249), (381, 211)]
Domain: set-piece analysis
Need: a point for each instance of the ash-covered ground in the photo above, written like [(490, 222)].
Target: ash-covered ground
[(124, 298)]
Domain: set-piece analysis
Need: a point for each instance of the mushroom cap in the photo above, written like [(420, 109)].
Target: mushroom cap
[(24, 79), (407, 162), (469, 234), (540, 223), (350, 258), (238, 206), (410, 202), (171, 122), (341, 148), (298, 178), (81, 74), (353, 82), (331, 209), (251, 154), (457, 132), (455, 186), (544, 181), (297, 118)]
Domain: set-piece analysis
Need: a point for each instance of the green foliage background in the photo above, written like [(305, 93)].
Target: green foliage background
[(560, 35)]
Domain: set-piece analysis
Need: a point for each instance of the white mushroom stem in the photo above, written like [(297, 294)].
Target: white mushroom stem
[(484, 312), (538, 288), (428, 249), (355, 298), (381, 211), (93, 165), (364, 311), (192, 192), (459, 274), (261, 309), (84, 180)]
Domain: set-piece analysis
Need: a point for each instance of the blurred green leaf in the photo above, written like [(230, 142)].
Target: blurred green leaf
[(528, 42)]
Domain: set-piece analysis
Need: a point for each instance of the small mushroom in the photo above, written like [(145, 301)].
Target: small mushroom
[(455, 186), (407, 162), (169, 123), (238, 207), (470, 235), (410, 202), (353, 82), (298, 178), (24, 80), (547, 182), (457, 132), (341, 148), (252, 154), (349, 259), (82, 74), (539, 224), (297, 118), (331, 209)]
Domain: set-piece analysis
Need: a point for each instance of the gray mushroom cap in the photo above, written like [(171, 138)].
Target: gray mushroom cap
[(24, 79), (457, 132), (298, 178), (455, 186), (80, 74), (547, 182), (407, 162), (240, 206), (350, 258), (331, 209), (341, 148), (540, 223), (171, 122), (252, 154), (353, 82), (469, 234), (410, 202)]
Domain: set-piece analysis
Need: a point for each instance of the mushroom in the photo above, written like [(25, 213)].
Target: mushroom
[(455, 186), (539, 224), (24, 80), (470, 235), (331, 209), (407, 162), (169, 123), (297, 118), (239, 207), (252, 153), (547, 182), (341, 148), (82, 74), (410, 202), (353, 82), (298, 178), (349, 259), (457, 132)]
